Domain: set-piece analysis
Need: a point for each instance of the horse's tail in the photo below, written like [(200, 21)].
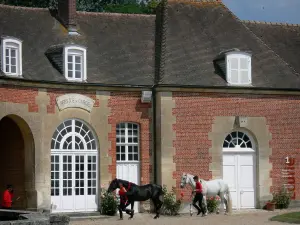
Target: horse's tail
[(161, 193), (229, 201)]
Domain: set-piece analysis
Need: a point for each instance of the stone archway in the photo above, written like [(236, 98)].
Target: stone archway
[(17, 160), (258, 128)]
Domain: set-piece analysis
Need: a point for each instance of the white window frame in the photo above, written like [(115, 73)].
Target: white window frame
[(127, 144), (11, 43), (239, 56), (75, 51)]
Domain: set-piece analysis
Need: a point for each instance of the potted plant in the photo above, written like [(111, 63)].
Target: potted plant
[(270, 206)]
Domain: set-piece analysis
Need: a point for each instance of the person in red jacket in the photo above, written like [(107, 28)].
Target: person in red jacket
[(7, 197), (123, 202), (198, 197)]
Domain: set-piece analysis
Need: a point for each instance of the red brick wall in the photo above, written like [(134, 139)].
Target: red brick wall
[(20, 95), (195, 114), (127, 107)]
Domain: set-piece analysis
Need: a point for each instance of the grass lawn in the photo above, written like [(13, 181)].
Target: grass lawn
[(293, 217)]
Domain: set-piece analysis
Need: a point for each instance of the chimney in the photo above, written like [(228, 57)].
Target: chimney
[(67, 13)]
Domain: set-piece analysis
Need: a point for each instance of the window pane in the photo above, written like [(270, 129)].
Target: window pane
[(13, 61), (13, 69), (13, 53), (136, 157), (78, 67), (70, 74), (234, 76), (77, 74), (70, 58), (234, 63), (7, 51), (244, 63), (244, 76), (70, 66), (123, 157), (7, 68), (78, 59)]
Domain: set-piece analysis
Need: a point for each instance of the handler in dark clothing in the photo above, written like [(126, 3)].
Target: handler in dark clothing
[(198, 197), (123, 202)]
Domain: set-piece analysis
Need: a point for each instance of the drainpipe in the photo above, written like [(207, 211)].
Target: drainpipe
[(154, 133)]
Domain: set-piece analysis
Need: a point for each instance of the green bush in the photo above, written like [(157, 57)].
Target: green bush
[(109, 203), (212, 204), (282, 198), (171, 205)]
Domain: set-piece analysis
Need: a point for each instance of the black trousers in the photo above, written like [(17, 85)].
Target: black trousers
[(198, 198), (122, 207)]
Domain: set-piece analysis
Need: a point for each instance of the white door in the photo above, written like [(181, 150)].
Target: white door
[(127, 154), (238, 171), (73, 168), (129, 172)]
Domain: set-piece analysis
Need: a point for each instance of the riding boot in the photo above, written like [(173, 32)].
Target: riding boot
[(120, 212)]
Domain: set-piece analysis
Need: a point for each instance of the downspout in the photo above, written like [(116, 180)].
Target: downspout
[(154, 134)]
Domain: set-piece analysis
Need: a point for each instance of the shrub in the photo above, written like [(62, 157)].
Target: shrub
[(171, 205), (109, 203), (212, 204), (282, 198)]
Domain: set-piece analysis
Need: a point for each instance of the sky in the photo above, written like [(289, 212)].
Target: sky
[(283, 11)]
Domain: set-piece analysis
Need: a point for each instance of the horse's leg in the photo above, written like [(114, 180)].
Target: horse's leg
[(221, 205), (205, 204), (132, 210), (128, 211), (158, 204), (226, 205)]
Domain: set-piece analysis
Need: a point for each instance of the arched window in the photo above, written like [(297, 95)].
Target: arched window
[(74, 165), (11, 56), (73, 135), (127, 140), (75, 63), (237, 139)]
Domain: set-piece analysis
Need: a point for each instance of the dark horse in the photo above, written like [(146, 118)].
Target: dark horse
[(137, 193)]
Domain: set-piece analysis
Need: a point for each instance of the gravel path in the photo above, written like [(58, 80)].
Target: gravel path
[(254, 217)]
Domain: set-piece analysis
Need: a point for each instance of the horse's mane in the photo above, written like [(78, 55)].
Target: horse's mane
[(124, 181)]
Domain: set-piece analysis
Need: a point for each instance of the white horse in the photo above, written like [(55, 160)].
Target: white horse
[(210, 188)]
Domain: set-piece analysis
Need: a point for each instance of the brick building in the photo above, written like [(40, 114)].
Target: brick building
[(86, 97)]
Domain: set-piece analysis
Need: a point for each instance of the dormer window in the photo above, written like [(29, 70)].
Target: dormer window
[(238, 68), (75, 63), (11, 56)]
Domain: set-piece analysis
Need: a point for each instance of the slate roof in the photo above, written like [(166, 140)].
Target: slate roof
[(177, 47), (120, 47), (196, 32), (283, 38)]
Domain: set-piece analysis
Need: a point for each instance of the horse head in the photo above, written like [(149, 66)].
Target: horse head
[(113, 185), (183, 180)]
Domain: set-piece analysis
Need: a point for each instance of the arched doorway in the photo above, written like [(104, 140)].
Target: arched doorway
[(74, 171), (239, 168), (17, 159)]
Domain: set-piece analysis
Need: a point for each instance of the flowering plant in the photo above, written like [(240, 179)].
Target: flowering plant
[(109, 203), (212, 203), (171, 205)]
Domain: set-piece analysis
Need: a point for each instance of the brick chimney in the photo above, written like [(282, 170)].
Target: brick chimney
[(67, 13)]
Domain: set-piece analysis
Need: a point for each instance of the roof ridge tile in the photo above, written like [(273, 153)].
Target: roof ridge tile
[(271, 23)]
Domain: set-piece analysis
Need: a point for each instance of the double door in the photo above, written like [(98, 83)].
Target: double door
[(239, 172), (74, 182)]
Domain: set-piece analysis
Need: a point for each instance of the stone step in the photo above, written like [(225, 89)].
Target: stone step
[(86, 215)]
